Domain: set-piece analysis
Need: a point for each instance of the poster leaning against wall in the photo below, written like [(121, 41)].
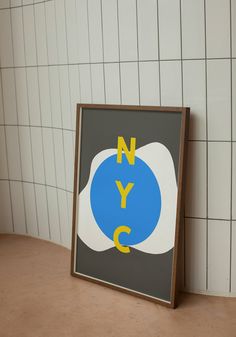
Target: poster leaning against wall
[(128, 197)]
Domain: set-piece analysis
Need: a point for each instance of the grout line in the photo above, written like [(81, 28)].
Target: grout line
[(182, 102), (231, 150), (103, 63), (89, 52), (26, 5), (59, 83), (72, 119), (207, 229), (181, 54), (138, 56), (53, 134), (68, 65), (62, 133), (119, 62), (30, 131), (38, 126), (211, 141), (50, 111), (17, 119), (40, 109), (8, 174), (73, 131), (36, 183), (206, 218), (158, 56)]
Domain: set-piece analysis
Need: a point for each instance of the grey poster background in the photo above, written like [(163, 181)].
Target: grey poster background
[(147, 273)]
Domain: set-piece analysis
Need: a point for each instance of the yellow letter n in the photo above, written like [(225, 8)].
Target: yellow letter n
[(130, 154)]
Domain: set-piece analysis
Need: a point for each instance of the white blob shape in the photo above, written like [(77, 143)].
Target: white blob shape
[(88, 230), (160, 161)]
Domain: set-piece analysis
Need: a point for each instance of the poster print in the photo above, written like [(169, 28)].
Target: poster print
[(127, 199)]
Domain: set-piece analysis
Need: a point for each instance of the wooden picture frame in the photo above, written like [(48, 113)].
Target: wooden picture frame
[(140, 258)]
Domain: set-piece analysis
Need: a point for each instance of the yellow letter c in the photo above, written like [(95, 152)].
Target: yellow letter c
[(118, 231)]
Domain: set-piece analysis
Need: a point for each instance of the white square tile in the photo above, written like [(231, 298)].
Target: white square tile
[(41, 39), (233, 259), (72, 30), (6, 225), (33, 96), (70, 211), (15, 3), (42, 210), (112, 83), (193, 34), (196, 189), (149, 83), (219, 180), (48, 146), (53, 212), (9, 97), (13, 152), (73, 140), (74, 91), (195, 254), (22, 96), (69, 159), (61, 31), (234, 182), (44, 92), (5, 4), (65, 97), (169, 29), (129, 83), (147, 30), (29, 35), (17, 199), (98, 93), (82, 31), (127, 30), (6, 52), (55, 96), (51, 32), (218, 99), (171, 92), (234, 99), (63, 211), (233, 20), (30, 209), (26, 153), (110, 30), (85, 83), (95, 31), (218, 256), (28, 2), (1, 101), (18, 36), (218, 28), (3, 155), (59, 158), (38, 155), (194, 92)]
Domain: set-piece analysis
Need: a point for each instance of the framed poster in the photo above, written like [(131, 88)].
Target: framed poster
[(128, 197)]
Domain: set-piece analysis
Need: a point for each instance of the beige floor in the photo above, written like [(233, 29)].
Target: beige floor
[(39, 298)]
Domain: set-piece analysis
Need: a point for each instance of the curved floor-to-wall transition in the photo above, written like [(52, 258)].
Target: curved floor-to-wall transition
[(56, 53)]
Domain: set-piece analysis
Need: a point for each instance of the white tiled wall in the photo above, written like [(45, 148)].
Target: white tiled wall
[(55, 53)]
